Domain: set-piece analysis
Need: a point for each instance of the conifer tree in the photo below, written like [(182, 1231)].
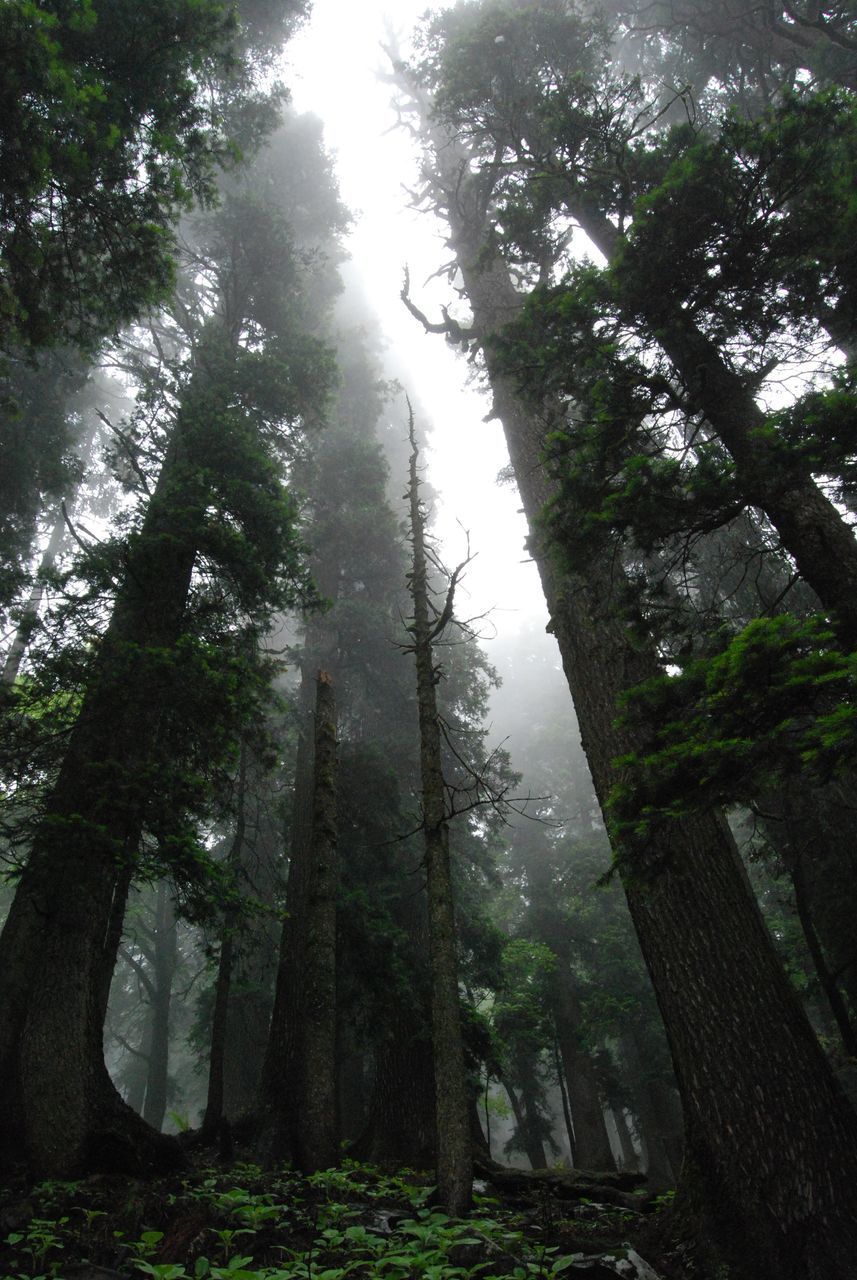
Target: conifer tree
[(673, 877)]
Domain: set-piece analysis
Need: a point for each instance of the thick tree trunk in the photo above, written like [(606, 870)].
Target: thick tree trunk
[(55, 1086), (454, 1153), (400, 1129), (316, 1132), (770, 1134), (298, 1089), (254, 956)]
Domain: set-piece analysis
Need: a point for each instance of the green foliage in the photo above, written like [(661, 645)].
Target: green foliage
[(777, 701), (111, 129), (352, 1221), (752, 226)]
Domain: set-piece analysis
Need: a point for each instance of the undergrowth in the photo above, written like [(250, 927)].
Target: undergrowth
[(246, 1224)]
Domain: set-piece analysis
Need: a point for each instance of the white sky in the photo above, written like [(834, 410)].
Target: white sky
[(332, 72)]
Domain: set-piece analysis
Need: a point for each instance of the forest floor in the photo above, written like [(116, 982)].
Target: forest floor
[(242, 1223)]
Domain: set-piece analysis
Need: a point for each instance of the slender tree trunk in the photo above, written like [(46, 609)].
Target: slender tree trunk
[(623, 1133), (113, 937), (317, 1138), (18, 647), (826, 978), (528, 1092), (566, 1108), (487, 1112), (454, 1153), (814, 838), (278, 1090), (591, 1143), (535, 1155), (137, 1084), (661, 1172), (213, 1116), (165, 950), (771, 1137)]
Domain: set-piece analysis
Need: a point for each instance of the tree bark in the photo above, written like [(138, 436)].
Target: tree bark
[(164, 955), (770, 1135), (826, 978), (213, 1115), (400, 1128), (278, 1089), (454, 1153), (661, 1172), (316, 1131)]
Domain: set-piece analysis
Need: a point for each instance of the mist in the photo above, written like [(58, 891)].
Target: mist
[(428, 594)]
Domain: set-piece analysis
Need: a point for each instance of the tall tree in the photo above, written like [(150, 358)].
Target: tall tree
[(454, 1156), (252, 380), (674, 876), (110, 129)]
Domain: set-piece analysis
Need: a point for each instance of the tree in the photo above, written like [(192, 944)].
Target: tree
[(454, 1158), (674, 876), (110, 129), (252, 380)]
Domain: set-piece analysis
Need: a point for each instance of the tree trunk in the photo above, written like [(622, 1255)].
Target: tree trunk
[(770, 1134), (316, 1133), (566, 1106), (278, 1090), (629, 1161), (526, 1109), (213, 1116), (164, 967), (18, 647), (826, 978), (454, 1153), (55, 1086), (400, 1128), (533, 1150), (591, 1144), (661, 1171)]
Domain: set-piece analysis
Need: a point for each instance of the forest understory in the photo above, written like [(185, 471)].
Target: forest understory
[(232, 1221)]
